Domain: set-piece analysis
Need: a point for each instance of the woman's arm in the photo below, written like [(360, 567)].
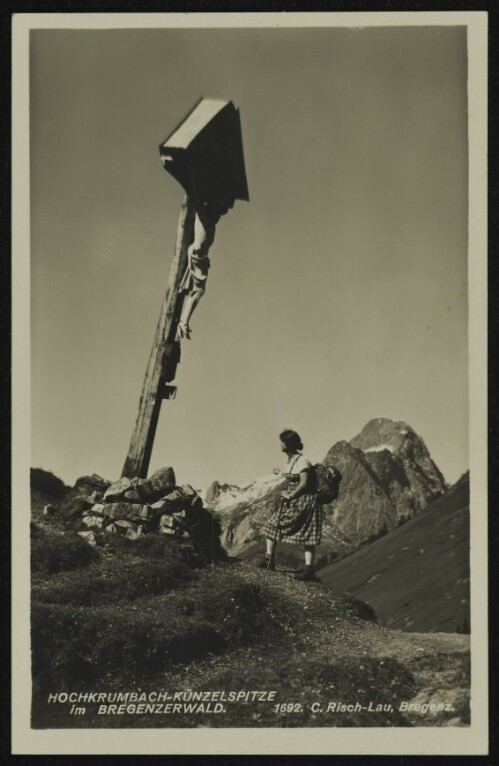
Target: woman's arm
[(300, 487)]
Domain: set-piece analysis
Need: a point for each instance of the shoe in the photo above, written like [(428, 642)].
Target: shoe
[(267, 563), (306, 576)]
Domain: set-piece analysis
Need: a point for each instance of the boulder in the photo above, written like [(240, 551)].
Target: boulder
[(176, 501), (89, 537), (97, 509), (127, 511), (96, 496), (161, 483), (134, 534), (438, 703), (96, 522), (87, 485), (168, 525), (166, 476), (132, 495), (195, 501), (112, 529), (50, 510), (117, 490), (123, 525), (74, 505), (168, 521)]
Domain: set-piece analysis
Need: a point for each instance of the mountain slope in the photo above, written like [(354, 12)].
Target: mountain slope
[(416, 577), (388, 477)]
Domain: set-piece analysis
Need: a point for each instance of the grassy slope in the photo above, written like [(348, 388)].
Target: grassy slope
[(138, 616), (417, 576), (231, 627)]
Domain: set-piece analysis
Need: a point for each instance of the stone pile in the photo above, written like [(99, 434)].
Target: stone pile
[(135, 507)]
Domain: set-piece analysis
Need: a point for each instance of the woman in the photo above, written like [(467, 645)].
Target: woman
[(298, 519)]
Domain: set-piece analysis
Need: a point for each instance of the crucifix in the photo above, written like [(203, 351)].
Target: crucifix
[(205, 155)]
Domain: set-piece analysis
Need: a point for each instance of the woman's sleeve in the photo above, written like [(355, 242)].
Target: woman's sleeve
[(303, 464)]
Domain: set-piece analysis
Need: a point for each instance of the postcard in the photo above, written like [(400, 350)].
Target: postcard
[(249, 367)]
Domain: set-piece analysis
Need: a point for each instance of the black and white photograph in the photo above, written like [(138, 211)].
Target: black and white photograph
[(249, 292)]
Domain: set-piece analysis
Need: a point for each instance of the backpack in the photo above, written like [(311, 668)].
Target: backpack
[(328, 480)]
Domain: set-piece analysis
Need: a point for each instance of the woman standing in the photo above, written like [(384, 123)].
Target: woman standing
[(298, 520)]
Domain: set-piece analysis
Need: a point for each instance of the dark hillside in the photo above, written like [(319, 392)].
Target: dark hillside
[(417, 576)]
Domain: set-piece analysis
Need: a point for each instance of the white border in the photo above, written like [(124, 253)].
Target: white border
[(337, 741)]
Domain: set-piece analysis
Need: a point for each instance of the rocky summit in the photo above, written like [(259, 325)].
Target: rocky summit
[(388, 476)]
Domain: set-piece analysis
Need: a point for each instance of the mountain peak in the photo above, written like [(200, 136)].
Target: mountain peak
[(380, 432)]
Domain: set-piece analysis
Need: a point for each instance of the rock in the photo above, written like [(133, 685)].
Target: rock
[(125, 527), (158, 506), (74, 505), (134, 534), (127, 511), (175, 501), (168, 521), (117, 490), (93, 521), (165, 476), (196, 502), (89, 537), (97, 509), (169, 525), (124, 524), (82, 496), (87, 485), (50, 510), (132, 496), (440, 703), (112, 529), (161, 483)]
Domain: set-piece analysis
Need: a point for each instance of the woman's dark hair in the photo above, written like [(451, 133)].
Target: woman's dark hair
[(291, 439)]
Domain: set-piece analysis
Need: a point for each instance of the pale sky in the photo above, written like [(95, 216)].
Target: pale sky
[(336, 295)]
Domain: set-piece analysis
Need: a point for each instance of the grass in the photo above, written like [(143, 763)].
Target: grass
[(155, 614), (106, 581), (51, 554)]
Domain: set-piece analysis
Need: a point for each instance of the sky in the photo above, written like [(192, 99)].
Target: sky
[(337, 294)]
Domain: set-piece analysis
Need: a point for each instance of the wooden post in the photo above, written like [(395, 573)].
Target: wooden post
[(141, 443)]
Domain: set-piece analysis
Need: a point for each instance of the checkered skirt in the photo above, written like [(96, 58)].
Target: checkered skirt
[(298, 522)]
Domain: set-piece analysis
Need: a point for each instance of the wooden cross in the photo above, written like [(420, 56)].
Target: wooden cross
[(205, 155), (164, 354)]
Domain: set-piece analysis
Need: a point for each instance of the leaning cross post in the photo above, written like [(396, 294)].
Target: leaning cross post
[(154, 388), (205, 155)]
